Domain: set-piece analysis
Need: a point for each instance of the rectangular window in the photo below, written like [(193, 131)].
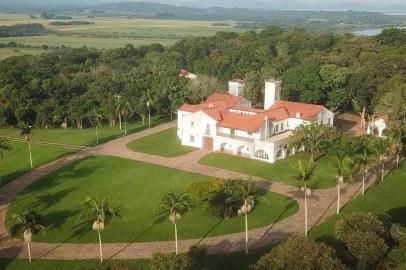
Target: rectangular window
[(208, 129), (329, 121), (281, 126), (192, 124), (192, 138), (287, 123), (276, 128)]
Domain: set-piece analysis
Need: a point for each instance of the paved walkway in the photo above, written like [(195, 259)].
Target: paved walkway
[(321, 204)]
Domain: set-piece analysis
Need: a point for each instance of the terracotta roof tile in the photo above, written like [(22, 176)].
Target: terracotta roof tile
[(308, 111)]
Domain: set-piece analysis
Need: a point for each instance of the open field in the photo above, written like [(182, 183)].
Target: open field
[(385, 198), (7, 52), (16, 162), (164, 143), (112, 32), (84, 137), (282, 170), (135, 189)]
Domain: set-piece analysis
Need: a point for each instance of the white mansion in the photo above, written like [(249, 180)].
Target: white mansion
[(226, 122)]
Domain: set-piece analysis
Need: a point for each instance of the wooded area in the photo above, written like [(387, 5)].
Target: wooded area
[(81, 86)]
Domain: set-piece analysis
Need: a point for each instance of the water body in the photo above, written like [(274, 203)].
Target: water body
[(368, 32)]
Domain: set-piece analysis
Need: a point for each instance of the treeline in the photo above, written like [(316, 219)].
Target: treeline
[(18, 30), (62, 23), (344, 72)]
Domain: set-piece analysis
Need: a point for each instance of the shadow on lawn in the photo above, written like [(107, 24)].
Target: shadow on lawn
[(159, 220)]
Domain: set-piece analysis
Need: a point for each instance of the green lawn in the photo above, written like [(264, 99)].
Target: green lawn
[(282, 170), (164, 143), (135, 189), (17, 162), (19, 264), (85, 137), (388, 198)]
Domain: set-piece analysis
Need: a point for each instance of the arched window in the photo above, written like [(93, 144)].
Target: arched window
[(261, 154)]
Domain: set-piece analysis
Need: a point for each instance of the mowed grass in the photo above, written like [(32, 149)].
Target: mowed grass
[(164, 143), (282, 171), (135, 189), (17, 162), (83, 137), (19, 264), (388, 197)]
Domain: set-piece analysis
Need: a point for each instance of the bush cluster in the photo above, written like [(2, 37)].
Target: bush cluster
[(194, 259)]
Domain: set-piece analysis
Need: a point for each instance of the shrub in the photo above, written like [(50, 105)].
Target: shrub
[(194, 259), (225, 202), (359, 222), (300, 253), (367, 247), (398, 232), (201, 190), (170, 261)]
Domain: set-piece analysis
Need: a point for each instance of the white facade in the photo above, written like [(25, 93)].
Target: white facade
[(236, 87), (376, 127), (238, 129)]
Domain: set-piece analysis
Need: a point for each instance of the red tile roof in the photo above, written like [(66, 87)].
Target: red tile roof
[(308, 111), (216, 100), (218, 106), (238, 81)]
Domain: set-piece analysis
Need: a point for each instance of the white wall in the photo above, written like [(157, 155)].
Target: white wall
[(193, 128), (235, 88), (272, 92)]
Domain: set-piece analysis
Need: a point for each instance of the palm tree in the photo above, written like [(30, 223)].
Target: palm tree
[(98, 115), (342, 161), (305, 174), (397, 141), (4, 146), (26, 130), (126, 111), (176, 205), (248, 192), (29, 224), (381, 148), (364, 160), (98, 212)]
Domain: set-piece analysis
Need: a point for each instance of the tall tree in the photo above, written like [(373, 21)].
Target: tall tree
[(314, 137), (305, 174), (253, 88), (176, 205), (98, 212), (4, 146), (381, 148), (26, 130), (29, 224), (365, 160)]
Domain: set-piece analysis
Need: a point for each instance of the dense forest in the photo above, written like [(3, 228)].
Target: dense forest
[(80, 86), (32, 29)]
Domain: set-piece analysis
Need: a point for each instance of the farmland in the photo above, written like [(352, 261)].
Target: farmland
[(112, 32)]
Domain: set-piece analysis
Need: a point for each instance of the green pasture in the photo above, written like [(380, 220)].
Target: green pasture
[(8, 52)]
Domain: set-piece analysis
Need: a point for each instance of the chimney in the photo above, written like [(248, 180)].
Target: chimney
[(236, 87), (272, 92)]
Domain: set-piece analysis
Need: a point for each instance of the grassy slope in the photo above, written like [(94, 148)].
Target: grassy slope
[(82, 137), (282, 170), (16, 162), (135, 188), (388, 197), (164, 143)]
